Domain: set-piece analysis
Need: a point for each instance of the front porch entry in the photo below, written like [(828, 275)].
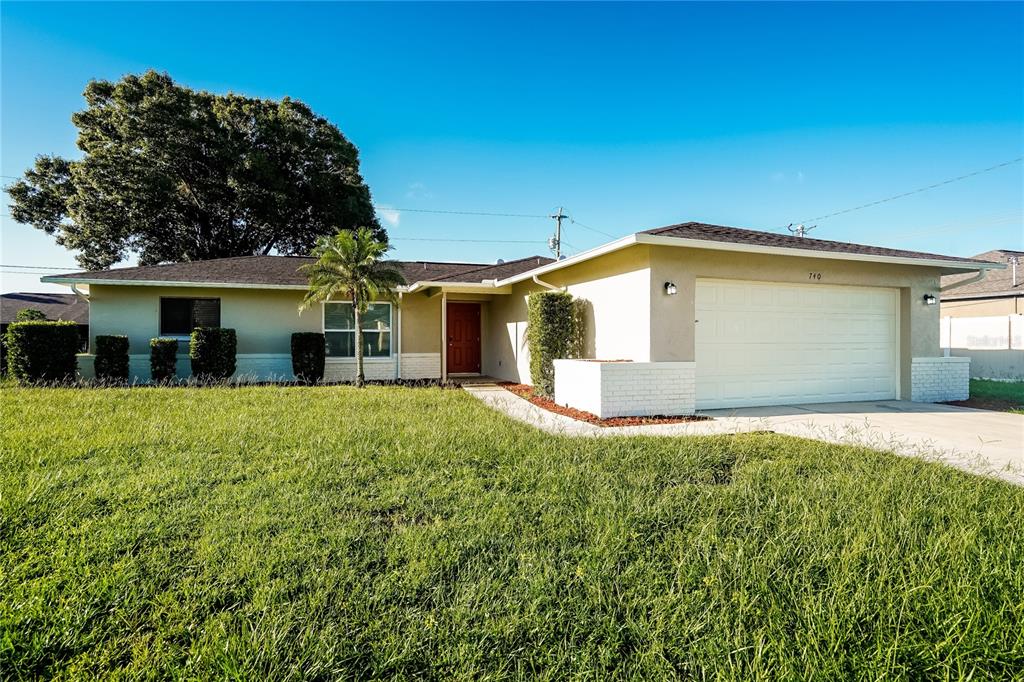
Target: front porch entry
[(463, 338)]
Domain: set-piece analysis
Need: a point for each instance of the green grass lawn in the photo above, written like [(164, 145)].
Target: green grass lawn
[(325, 533), (1008, 393)]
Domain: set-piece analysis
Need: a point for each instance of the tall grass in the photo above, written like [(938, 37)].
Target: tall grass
[(325, 533)]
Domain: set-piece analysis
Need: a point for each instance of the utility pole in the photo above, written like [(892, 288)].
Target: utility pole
[(555, 243)]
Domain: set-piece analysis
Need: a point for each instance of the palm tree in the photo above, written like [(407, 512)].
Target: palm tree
[(350, 265)]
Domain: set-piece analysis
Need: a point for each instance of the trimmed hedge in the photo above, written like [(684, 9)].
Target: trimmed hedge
[(309, 350), (212, 352), (551, 334), (40, 351), (112, 358), (163, 359)]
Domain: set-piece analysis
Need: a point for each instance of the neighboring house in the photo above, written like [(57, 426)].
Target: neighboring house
[(709, 317), (983, 318), (1000, 292), (55, 306)]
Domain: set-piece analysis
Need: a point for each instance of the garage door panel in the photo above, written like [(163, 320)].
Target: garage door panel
[(762, 343)]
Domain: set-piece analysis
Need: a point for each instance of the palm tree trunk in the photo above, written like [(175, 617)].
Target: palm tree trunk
[(360, 378)]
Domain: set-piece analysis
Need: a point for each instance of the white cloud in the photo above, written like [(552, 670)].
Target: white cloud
[(389, 215), (418, 190)]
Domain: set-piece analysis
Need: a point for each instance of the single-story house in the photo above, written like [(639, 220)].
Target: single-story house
[(699, 316), (68, 307), (983, 319)]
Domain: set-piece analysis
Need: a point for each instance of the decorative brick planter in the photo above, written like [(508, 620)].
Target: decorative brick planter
[(938, 380), (626, 389)]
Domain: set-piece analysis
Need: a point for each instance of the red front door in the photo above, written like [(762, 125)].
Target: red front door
[(463, 321)]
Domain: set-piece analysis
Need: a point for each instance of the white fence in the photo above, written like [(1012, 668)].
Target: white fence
[(995, 345), (1001, 332)]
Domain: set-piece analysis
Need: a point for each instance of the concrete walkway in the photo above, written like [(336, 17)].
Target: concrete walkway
[(978, 441)]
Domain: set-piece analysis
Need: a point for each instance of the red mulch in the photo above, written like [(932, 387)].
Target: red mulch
[(524, 391)]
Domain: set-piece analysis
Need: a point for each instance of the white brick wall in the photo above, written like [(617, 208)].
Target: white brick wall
[(254, 366), (626, 389), (344, 369), (421, 365), (936, 380)]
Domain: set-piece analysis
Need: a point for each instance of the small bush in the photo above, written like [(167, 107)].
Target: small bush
[(39, 351), (163, 359), (551, 331), (112, 358), (212, 352), (29, 315), (308, 353)]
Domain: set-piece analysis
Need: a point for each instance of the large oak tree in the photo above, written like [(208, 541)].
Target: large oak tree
[(175, 174)]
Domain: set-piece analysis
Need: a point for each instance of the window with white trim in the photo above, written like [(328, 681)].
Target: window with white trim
[(340, 330)]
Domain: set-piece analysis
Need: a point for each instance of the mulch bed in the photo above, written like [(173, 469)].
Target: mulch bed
[(994, 404), (524, 391)]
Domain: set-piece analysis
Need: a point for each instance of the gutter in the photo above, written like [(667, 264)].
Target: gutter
[(982, 274), (80, 294), (550, 287)]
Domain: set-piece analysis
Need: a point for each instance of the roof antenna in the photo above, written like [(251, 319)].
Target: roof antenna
[(800, 230)]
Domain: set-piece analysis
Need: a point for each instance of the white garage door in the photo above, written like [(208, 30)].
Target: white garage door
[(761, 343)]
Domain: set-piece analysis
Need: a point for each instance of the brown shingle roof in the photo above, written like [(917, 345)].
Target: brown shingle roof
[(996, 283), (719, 233), (500, 270), (54, 306), (283, 271)]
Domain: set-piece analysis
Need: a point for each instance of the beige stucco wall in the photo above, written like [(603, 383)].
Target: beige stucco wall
[(264, 319), (631, 317), (672, 327), (980, 307), (421, 323), (616, 289)]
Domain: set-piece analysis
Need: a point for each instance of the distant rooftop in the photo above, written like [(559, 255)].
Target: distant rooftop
[(997, 283), (54, 306)]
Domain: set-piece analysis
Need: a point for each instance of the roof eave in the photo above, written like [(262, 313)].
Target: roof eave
[(609, 247), (953, 266), (57, 279)]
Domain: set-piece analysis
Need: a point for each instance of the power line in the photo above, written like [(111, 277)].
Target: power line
[(914, 191), (36, 267), (592, 229), (481, 213), (473, 241)]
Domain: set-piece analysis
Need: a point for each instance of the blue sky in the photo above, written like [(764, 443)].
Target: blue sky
[(630, 116)]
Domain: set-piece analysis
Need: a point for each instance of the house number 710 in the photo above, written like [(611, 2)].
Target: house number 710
[(813, 275)]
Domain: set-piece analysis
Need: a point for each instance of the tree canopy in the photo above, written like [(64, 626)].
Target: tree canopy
[(175, 174)]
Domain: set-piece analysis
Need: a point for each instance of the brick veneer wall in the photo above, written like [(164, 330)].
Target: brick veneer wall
[(937, 380)]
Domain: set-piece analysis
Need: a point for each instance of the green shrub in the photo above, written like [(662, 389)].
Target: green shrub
[(29, 315), (163, 359), (212, 352), (112, 358), (40, 351), (308, 352), (551, 332)]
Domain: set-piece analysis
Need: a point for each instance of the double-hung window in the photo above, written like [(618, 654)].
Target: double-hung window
[(179, 316), (340, 330)]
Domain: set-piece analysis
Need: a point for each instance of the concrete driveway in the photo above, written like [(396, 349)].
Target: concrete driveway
[(978, 441)]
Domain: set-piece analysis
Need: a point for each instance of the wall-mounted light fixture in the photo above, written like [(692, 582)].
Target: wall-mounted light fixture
[(929, 299), (670, 288)]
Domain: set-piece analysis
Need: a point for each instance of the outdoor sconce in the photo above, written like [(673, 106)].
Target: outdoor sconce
[(929, 299), (670, 288)]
